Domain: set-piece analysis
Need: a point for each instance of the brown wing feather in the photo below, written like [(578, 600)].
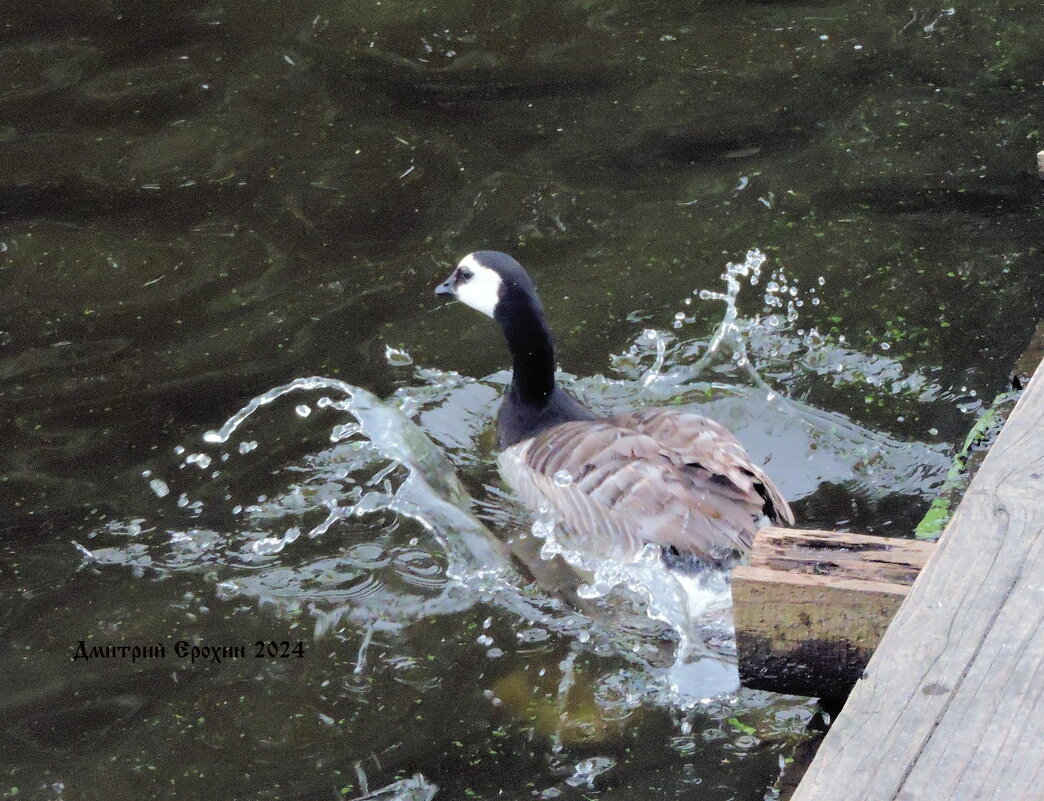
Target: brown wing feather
[(661, 476), (700, 441)]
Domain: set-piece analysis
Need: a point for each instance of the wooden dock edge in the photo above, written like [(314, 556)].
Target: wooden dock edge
[(951, 705)]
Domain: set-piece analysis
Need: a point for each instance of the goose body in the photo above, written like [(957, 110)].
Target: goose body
[(663, 476)]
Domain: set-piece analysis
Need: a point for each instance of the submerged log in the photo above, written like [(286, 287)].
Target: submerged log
[(811, 606)]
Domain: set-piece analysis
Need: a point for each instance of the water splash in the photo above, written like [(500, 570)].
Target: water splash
[(415, 788), (373, 531), (653, 373), (695, 609), (728, 332), (431, 493)]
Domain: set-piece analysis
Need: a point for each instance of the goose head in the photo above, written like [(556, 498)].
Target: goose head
[(488, 281)]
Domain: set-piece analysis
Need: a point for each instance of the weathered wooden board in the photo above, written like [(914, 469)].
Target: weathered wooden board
[(840, 554), (813, 605), (952, 707)]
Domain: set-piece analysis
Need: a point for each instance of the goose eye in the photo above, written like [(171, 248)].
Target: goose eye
[(464, 274)]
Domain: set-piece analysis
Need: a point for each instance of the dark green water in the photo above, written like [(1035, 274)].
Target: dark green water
[(200, 201)]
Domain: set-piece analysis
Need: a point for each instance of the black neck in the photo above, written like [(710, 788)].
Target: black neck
[(533, 353)]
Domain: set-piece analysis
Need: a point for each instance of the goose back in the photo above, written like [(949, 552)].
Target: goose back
[(660, 476)]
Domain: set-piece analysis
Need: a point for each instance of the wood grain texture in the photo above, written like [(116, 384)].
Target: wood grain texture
[(813, 605), (840, 554), (953, 704)]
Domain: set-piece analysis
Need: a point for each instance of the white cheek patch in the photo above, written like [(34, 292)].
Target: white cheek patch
[(482, 290)]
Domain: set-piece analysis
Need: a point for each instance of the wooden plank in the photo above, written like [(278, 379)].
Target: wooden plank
[(812, 606), (952, 707), (840, 554)]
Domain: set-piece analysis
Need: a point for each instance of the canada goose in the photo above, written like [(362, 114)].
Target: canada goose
[(660, 476)]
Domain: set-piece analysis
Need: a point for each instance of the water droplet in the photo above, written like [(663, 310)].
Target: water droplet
[(246, 447), (821, 280), (885, 346), (397, 357), (160, 488), (303, 410), (563, 478), (344, 431), (201, 460)]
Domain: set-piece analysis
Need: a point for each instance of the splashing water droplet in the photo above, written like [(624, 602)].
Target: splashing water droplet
[(201, 460), (661, 354), (344, 431), (397, 357), (563, 478), (160, 488), (303, 410)]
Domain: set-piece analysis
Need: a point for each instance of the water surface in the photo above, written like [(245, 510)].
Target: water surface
[(202, 201)]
